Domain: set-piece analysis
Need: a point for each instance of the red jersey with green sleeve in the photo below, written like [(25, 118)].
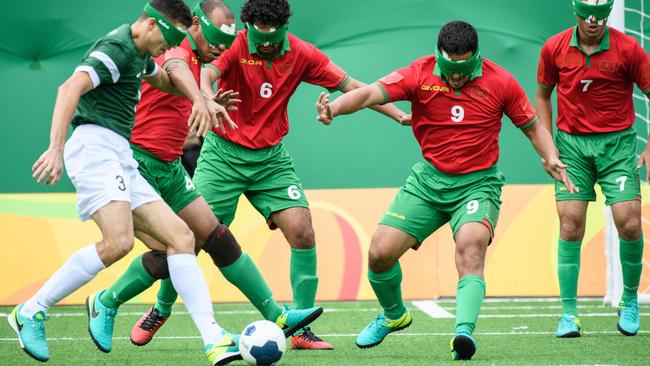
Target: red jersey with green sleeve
[(161, 118), (458, 131), (594, 93), (265, 87)]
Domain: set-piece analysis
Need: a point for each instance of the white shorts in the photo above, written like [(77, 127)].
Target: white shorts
[(101, 167)]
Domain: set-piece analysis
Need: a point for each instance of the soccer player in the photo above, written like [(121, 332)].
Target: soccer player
[(99, 100), (157, 140), (458, 99), (265, 65), (594, 67)]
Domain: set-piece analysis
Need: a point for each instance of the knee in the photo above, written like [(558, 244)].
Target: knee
[(470, 259), (630, 229), (183, 241), (378, 258), (301, 237), (572, 228), (222, 247), (118, 246)]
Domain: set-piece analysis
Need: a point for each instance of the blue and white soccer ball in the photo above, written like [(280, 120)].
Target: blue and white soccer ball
[(262, 343)]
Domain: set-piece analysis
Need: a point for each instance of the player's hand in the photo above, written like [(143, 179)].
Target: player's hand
[(324, 109), (557, 169), (228, 99), (644, 159), (49, 166), (405, 120), (200, 120), (221, 118)]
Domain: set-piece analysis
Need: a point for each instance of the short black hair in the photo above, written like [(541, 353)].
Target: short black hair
[(174, 10), (457, 38), (273, 13), (208, 7)]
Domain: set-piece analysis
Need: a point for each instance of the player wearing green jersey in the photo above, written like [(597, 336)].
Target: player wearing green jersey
[(99, 100), (157, 139)]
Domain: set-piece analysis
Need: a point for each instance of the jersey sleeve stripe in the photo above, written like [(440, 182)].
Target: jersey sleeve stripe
[(344, 82), (174, 61), (528, 124), (214, 68), (91, 72), (383, 90), (108, 62), (153, 72), (545, 86)]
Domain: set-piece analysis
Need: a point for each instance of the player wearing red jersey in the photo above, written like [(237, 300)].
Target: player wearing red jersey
[(595, 68), (265, 65), (157, 139), (458, 99)]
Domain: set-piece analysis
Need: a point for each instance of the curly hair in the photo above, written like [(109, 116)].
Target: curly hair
[(273, 13), (457, 38)]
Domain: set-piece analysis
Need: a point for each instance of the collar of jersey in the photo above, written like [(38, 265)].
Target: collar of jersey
[(476, 73), (285, 46), (604, 44)]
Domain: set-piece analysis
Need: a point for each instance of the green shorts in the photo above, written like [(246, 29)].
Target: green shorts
[(266, 177), (431, 198), (169, 179), (607, 159)]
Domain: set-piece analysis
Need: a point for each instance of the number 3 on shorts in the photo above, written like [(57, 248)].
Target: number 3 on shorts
[(472, 207), (294, 192)]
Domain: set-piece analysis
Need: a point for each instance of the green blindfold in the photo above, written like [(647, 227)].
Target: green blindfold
[(600, 11), (172, 34), (449, 67), (260, 38), (215, 36)]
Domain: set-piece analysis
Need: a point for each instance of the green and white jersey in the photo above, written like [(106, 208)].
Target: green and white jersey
[(116, 67)]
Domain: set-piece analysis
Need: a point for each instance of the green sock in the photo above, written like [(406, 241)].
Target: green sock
[(388, 288), (632, 264), (469, 297), (568, 269), (304, 280), (248, 279), (167, 296), (134, 281)]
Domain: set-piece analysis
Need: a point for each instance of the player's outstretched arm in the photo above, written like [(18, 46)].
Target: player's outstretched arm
[(388, 109), (208, 78), (49, 165), (350, 102), (543, 143), (203, 115)]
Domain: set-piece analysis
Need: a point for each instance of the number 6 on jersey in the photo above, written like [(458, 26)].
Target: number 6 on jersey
[(266, 90)]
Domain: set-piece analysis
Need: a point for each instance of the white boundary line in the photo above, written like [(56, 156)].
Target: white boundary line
[(432, 309)]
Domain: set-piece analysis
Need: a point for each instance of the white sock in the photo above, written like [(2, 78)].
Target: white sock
[(81, 267), (190, 285)]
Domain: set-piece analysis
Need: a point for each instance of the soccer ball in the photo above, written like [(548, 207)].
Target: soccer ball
[(262, 343)]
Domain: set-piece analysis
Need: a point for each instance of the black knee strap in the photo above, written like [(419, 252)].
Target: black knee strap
[(222, 246), (156, 264)]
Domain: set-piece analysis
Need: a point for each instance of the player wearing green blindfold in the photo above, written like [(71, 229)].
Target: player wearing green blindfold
[(213, 29), (592, 18), (593, 69)]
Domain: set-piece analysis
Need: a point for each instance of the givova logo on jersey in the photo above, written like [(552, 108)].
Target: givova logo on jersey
[(435, 88)]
